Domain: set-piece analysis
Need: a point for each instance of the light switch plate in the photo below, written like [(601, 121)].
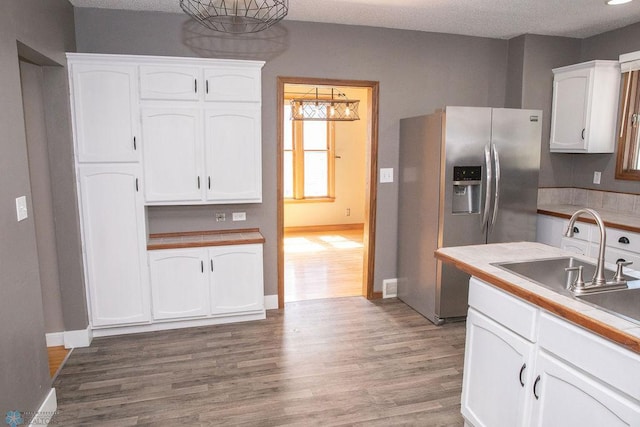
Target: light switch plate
[(21, 208), (386, 175)]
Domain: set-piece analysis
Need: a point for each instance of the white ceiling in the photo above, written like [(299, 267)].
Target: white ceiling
[(486, 18)]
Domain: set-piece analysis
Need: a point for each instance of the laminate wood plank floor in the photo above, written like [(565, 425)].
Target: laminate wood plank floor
[(329, 362), (323, 264)]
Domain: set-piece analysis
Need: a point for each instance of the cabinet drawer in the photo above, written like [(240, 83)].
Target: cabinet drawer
[(622, 239), (581, 231), (510, 311), (606, 361)]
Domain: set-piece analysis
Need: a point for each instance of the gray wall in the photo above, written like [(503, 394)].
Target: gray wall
[(418, 72), (606, 46), (45, 26)]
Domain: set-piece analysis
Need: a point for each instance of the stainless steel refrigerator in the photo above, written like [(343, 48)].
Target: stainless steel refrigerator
[(467, 176)]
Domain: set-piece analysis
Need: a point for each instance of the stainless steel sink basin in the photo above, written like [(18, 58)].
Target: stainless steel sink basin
[(551, 273), (624, 303)]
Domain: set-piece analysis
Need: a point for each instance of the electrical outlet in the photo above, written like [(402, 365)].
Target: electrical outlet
[(239, 216), (596, 177), (221, 216), (348, 212)]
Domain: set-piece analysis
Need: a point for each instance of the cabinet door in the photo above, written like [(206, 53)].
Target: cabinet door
[(105, 107), (233, 153), (569, 110), (173, 162), (114, 238), (239, 84), (568, 398), (549, 230), (574, 245), (179, 283), (236, 278), (173, 83), (497, 374)]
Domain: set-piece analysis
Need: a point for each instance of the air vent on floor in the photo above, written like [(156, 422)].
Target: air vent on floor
[(389, 288)]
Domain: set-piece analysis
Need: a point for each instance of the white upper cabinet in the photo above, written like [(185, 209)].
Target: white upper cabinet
[(584, 108), (240, 84), (233, 158), (173, 154), (105, 107), (170, 83)]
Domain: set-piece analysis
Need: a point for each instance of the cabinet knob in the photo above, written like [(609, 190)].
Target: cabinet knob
[(135, 147), (583, 134), (211, 265), (576, 230), (624, 240), (195, 85), (201, 266)]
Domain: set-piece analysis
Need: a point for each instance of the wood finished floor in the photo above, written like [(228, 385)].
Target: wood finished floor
[(323, 264), (331, 362), (56, 354)]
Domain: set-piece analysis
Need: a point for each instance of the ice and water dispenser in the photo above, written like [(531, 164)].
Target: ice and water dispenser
[(467, 182)]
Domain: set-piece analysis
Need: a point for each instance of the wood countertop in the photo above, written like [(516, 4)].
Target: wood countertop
[(197, 239), (611, 219), (476, 260)]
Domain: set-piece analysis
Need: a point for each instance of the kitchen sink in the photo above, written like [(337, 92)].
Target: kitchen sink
[(624, 303), (551, 273)]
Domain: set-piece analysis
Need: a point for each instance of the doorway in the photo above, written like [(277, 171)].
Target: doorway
[(353, 236)]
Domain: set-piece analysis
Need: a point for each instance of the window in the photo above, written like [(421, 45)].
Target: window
[(309, 159)]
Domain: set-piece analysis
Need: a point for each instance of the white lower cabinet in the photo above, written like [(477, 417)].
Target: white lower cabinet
[(236, 278), (114, 236), (498, 368), (539, 370), (208, 281), (564, 396), (179, 283)]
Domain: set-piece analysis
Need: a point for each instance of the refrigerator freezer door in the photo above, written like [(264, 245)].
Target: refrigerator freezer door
[(516, 135)]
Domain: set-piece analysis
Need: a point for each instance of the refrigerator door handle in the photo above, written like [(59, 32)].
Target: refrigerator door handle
[(496, 198), (487, 197)]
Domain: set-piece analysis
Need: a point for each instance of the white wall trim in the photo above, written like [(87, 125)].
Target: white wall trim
[(79, 338), (271, 302), (46, 411), (55, 339)]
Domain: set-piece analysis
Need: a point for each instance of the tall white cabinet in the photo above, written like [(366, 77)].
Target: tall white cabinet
[(163, 131)]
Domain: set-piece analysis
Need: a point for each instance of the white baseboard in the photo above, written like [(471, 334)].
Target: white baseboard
[(79, 338), (55, 339), (46, 411), (271, 302)]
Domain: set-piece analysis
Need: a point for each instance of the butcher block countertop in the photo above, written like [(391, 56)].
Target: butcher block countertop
[(611, 219), (196, 239), (476, 260)]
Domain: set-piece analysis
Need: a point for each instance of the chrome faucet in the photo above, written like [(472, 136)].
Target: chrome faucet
[(598, 277)]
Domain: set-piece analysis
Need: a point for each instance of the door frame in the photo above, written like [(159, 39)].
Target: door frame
[(371, 181)]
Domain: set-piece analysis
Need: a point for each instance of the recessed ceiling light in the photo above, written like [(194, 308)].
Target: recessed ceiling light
[(616, 2)]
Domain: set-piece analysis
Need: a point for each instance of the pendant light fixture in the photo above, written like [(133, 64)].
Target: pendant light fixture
[(332, 105), (236, 16)]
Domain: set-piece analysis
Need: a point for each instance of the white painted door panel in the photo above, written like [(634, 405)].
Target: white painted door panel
[(236, 279), (179, 283), (233, 153), (170, 83), (114, 244), (105, 111), (172, 140)]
